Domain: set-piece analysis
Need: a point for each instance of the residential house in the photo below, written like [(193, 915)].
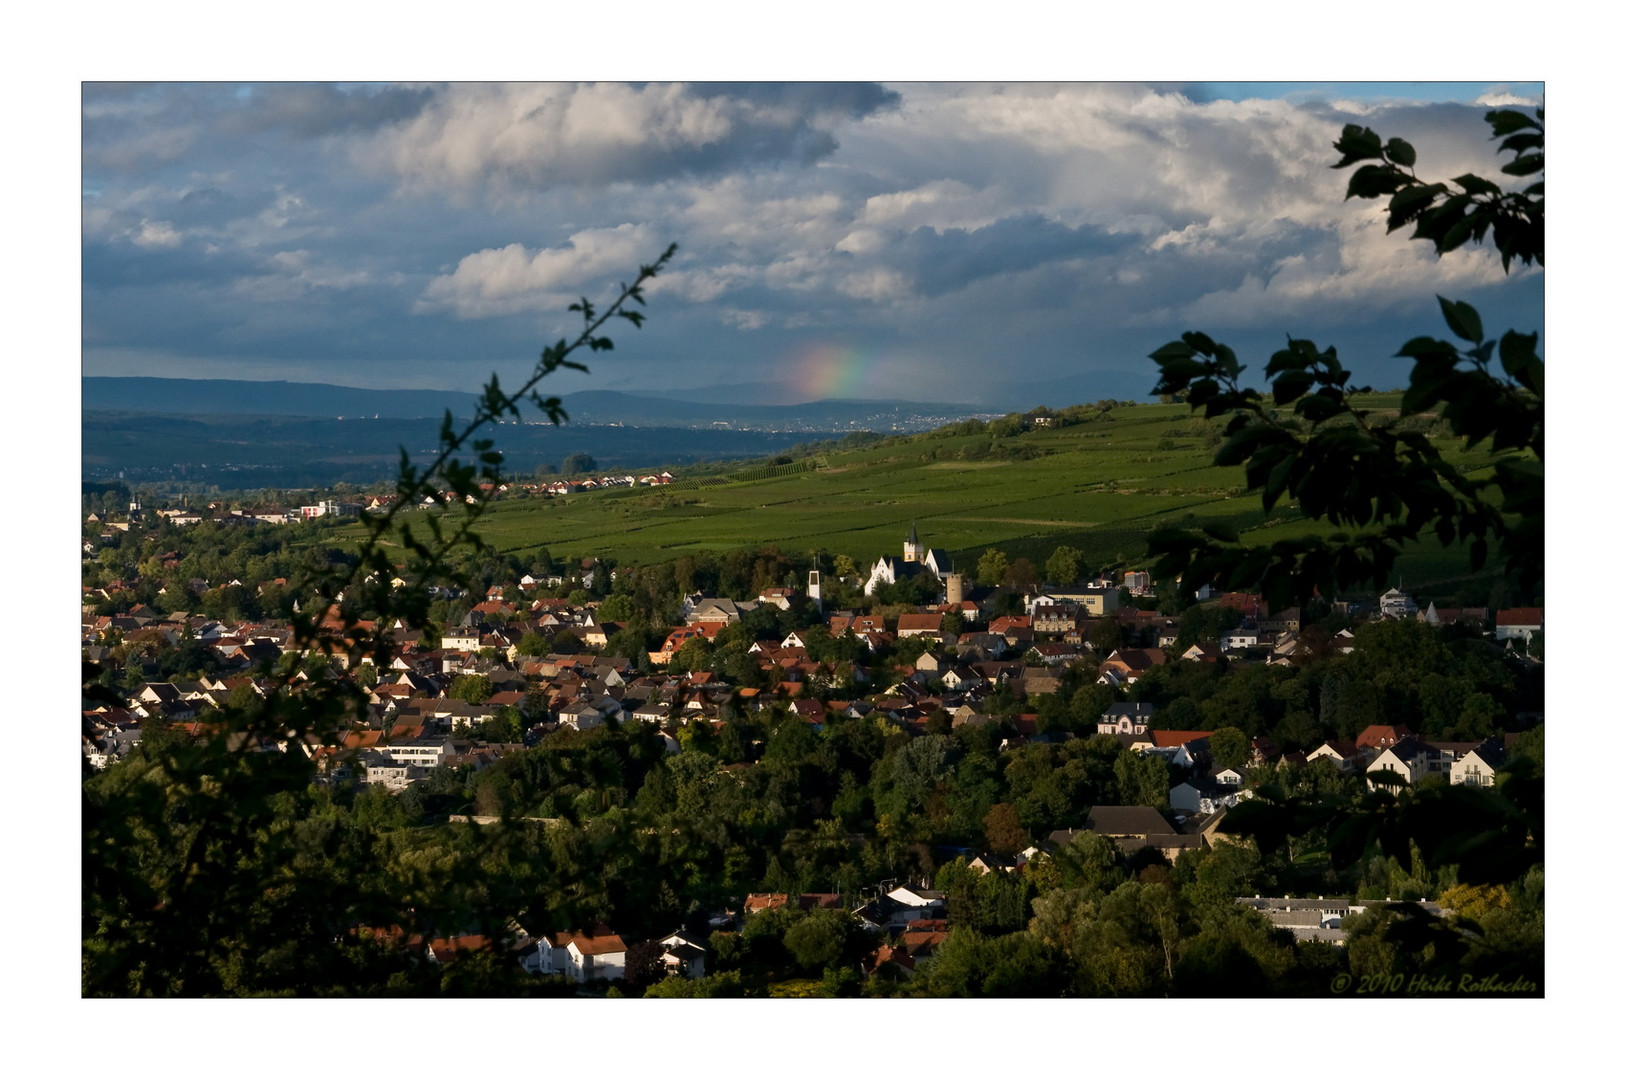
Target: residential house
[(756, 902), (1055, 618), (683, 955), (1098, 601), (412, 747), (1127, 665), (929, 624), (1127, 718), (1520, 623), (1478, 767), (1308, 918), (1411, 759), (1201, 795), (1347, 756), (599, 954), (1286, 621), (1126, 822), (1137, 827), (385, 771), (778, 597), (1181, 749), (905, 904), (1395, 604), (581, 716)]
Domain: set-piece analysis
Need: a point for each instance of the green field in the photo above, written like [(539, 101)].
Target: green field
[(1099, 486)]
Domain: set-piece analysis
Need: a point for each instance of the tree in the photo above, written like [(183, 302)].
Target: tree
[(1021, 574), (1143, 779), (505, 725), (473, 689), (575, 464), (1062, 566), (1230, 748), (1004, 830), (644, 967), (1106, 636), (991, 568), (1352, 468), (617, 608), (820, 938)]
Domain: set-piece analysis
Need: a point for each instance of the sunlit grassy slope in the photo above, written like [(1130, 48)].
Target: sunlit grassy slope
[(1100, 486)]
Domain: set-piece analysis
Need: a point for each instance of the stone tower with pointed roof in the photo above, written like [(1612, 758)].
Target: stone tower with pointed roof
[(913, 550)]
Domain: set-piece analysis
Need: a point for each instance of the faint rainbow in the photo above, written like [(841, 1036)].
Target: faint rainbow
[(830, 371)]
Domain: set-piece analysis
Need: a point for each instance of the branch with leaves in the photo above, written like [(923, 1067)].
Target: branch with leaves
[(449, 480), (1449, 214), (1354, 469)]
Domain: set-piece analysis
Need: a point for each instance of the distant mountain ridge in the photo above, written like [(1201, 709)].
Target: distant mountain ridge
[(233, 397), (226, 397)]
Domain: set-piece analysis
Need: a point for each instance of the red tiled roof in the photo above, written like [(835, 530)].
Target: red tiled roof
[(1520, 616), (1163, 739), (1382, 735), (907, 621), (591, 944)]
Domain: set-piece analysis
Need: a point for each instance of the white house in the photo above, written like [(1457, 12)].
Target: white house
[(598, 955), (1519, 623), (1127, 718), (684, 955), (1412, 759), (461, 639), (424, 753), (1395, 604), (580, 716), (393, 775), (1479, 766), (1346, 755)]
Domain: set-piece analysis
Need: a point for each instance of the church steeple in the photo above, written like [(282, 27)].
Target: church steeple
[(912, 550)]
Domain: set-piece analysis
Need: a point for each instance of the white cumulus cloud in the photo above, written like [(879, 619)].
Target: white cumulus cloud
[(514, 279)]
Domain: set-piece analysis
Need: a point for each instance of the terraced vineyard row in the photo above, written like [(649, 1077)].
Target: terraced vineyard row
[(1099, 486)]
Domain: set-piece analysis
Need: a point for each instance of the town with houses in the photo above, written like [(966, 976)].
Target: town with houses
[(974, 646)]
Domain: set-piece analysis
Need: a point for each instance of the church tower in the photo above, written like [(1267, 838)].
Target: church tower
[(814, 592), (913, 551)]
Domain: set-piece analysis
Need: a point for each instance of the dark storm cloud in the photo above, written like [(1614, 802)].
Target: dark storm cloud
[(849, 100), (950, 260)]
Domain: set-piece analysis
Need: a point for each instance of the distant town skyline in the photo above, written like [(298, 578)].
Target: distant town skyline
[(933, 241)]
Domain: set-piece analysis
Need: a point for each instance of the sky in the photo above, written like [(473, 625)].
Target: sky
[(936, 241)]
